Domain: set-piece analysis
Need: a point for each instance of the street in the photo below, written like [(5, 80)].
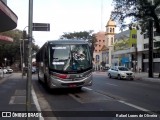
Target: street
[(109, 99), (106, 99)]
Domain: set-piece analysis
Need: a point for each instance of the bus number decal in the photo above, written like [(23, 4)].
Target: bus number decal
[(58, 63), (58, 47)]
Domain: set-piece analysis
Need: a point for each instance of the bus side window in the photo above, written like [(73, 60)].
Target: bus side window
[(45, 56)]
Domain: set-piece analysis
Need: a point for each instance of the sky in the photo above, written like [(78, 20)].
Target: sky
[(63, 16)]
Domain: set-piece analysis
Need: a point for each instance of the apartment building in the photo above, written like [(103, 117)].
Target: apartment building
[(143, 51)]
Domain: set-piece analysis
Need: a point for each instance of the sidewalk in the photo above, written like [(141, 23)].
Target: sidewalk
[(144, 76), (13, 97)]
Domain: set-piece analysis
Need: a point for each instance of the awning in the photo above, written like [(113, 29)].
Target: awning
[(5, 39), (8, 19)]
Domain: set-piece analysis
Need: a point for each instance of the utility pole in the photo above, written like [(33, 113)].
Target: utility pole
[(29, 75), (150, 71)]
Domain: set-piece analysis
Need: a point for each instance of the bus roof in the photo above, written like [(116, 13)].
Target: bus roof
[(70, 41)]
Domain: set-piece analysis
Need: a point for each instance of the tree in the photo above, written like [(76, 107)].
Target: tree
[(11, 51), (138, 11), (84, 35)]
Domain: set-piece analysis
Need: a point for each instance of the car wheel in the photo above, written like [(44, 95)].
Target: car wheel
[(109, 75), (119, 77)]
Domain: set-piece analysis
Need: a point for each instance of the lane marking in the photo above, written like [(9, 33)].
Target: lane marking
[(111, 84), (36, 102), (87, 88), (137, 107), (40, 100)]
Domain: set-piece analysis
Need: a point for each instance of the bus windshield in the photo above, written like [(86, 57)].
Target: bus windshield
[(70, 57)]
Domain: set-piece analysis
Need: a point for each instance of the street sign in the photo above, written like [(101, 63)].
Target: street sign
[(41, 27)]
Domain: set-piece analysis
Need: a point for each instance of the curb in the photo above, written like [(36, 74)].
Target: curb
[(156, 80)]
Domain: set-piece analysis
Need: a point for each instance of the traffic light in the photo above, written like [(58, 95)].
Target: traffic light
[(25, 35)]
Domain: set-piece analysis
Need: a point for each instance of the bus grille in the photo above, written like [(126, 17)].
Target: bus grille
[(68, 84)]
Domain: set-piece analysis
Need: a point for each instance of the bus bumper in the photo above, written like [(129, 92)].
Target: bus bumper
[(58, 83)]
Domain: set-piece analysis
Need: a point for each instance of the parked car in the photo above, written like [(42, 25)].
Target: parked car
[(120, 72), (9, 70), (106, 68), (5, 71)]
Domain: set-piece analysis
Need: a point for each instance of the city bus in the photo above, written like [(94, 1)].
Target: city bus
[(65, 64)]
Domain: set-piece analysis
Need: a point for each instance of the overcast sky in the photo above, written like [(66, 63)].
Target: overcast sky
[(63, 16)]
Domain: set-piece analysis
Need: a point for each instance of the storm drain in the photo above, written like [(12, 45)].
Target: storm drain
[(19, 97)]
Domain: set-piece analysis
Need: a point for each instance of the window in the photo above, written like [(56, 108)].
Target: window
[(145, 56), (146, 46), (133, 45), (99, 45), (103, 40), (99, 40), (156, 33), (69, 57), (134, 36), (97, 58), (110, 30), (113, 30), (157, 44), (156, 55), (146, 35), (112, 41)]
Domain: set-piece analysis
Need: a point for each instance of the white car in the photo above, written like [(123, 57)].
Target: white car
[(120, 72), (7, 70)]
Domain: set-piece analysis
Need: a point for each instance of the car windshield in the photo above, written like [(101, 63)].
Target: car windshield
[(123, 69), (70, 57)]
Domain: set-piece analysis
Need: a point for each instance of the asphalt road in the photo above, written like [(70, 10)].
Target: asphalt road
[(107, 99)]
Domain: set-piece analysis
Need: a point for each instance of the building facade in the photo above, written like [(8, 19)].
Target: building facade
[(97, 54), (125, 49), (143, 51), (104, 46), (128, 48), (109, 37)]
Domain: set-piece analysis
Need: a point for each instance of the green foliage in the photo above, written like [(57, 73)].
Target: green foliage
[(84, 35), (121, 45), (136, 10), (11, 51)]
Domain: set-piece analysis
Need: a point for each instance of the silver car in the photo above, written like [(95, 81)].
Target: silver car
[(120, 72)]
